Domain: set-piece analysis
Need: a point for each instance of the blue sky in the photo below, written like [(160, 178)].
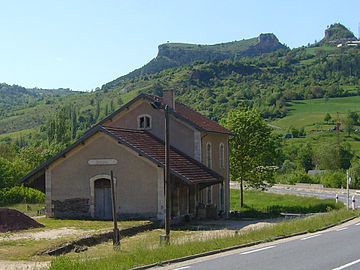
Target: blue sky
[(83, 44)]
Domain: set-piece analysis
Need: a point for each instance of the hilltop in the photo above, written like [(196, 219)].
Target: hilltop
[(172, 55), (336, 34)]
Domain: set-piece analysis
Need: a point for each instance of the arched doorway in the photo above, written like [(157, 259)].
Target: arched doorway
[(103, 199)]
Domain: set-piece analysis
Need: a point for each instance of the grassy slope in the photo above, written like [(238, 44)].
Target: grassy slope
[(305, 113), (310, 115)]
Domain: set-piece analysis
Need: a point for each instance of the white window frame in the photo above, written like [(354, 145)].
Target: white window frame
[(144, 116), (208, 155), (222, 155)]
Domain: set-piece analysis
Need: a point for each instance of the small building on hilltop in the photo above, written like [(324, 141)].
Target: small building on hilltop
[(130, 142)]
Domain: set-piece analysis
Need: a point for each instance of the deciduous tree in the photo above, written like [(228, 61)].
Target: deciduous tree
[(252, 149)]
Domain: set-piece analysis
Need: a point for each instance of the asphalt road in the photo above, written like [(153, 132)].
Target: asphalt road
[(322, 194), (334, 249)]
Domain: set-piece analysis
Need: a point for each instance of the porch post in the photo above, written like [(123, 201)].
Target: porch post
[(188, 200)]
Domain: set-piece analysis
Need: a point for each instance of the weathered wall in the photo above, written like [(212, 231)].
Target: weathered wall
[(181, 135), (136, 179)]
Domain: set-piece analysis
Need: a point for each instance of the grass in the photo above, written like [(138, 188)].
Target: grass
[(98, 225), (308, 112), (265, 205), (27, 249), (142, 255)]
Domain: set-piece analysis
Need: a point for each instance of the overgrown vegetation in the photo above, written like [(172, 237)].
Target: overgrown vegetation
[(20, 194)]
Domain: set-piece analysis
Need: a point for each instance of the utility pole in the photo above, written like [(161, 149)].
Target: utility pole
[(167, 181), (116, 236), (167, 175)]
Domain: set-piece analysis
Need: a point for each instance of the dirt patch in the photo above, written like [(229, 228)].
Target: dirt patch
[(20, 265), (47, 234), (13, 220)]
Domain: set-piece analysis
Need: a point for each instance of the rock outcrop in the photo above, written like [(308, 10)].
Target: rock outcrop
[(337, 34), (177, 54)]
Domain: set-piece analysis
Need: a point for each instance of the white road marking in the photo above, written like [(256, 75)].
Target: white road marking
[(256, 250), (357, 224), (342, 229), (347, 265), (309, 237), (181, 268)]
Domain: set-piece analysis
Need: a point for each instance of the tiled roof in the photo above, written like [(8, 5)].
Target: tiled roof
[(193, 117), (181, 165)]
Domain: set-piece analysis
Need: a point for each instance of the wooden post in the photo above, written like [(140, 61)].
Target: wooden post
[(116, 236)]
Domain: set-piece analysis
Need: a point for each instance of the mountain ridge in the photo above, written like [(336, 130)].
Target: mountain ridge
[(172, 55)]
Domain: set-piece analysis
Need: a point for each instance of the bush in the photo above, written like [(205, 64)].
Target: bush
[(335, 179), (20, 194), (296, 177)]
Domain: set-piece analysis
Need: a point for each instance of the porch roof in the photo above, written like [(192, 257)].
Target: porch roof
[(181, 165)]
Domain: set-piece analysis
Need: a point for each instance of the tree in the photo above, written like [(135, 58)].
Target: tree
[(305, 157), (327, 117), (251, 149), (333, 157), (352, 118), (355, 174)]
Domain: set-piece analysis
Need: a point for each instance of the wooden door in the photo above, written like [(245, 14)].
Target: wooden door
[(103, 199)]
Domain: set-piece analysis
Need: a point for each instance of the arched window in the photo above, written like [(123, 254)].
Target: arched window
[(144, 121), (208, 155), (222, 155)]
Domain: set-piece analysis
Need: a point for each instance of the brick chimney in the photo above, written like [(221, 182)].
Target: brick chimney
[(169, 98)]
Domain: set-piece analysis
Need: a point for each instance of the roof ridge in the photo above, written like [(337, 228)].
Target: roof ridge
[(123, 129), (185, 117)]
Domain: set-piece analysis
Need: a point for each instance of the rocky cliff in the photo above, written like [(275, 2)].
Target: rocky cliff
[(178, 54)]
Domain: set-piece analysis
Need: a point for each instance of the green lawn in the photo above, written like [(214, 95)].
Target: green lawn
[(263, 204)]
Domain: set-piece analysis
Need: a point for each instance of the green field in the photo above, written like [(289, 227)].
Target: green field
[(307, 113)]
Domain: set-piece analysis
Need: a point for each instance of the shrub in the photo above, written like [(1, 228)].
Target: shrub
[(296, 177), (20, 194), (335, 179)]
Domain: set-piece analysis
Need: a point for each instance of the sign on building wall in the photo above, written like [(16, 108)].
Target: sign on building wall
[(105, 161)]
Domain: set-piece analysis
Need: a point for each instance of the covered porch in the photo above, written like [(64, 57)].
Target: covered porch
[(196, 200)]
